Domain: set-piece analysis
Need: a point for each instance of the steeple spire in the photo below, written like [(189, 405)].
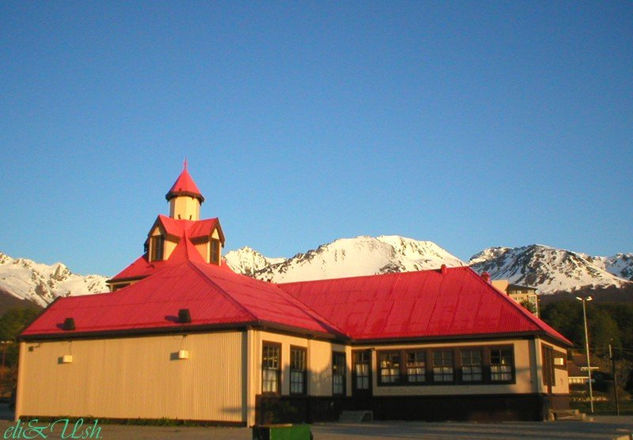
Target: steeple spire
[(184, 197)]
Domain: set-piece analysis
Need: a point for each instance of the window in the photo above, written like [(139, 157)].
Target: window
[(214, 250), (443, 366), (475, 365), (271, 367), (389, 365), (338, 373), (471, 366), (416, 370), (297, 370), (501, 364), (157, 244)]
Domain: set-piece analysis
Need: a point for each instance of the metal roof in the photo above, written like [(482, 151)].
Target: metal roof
[(212, 294), (184, 186), (185, 230), (427, 304)]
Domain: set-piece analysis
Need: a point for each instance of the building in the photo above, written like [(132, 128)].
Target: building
[(524, 295), (183, 337)]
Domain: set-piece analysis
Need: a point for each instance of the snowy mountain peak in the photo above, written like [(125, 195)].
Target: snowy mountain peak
[(247, 261), (547, 268), (348, 257), (42, 283)]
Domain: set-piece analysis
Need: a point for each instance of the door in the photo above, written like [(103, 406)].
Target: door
[(361, 373), (548, 367)]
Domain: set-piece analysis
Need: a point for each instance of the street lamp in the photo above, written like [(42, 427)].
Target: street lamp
[(584, 314)]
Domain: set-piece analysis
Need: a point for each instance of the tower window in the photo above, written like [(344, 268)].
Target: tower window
[(156, 246), (214, 251)]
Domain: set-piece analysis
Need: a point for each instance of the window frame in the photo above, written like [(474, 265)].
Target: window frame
[(304, 371), (424, 367), (485, 352), (215, 251), (512, 364), (482, 365), (156, 244), (380, 368), (276, 345), (433, 360)]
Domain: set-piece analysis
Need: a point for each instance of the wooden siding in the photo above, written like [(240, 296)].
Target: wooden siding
[(135, 378)]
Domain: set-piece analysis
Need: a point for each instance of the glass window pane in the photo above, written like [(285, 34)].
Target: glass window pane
[(443, 366), (389, 366), (501, 365), (472, 365), (416, 369)]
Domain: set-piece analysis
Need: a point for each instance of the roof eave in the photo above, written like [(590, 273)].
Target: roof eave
[(171, 194), (134, 332), (460, 337)]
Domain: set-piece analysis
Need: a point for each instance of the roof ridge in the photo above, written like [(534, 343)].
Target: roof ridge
[(208, 280), (384, 274), (526, 313)]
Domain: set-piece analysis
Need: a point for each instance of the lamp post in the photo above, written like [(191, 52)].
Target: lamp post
[(584, 314)]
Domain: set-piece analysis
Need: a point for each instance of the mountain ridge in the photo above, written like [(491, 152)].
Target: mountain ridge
[(41, 283), (551, 269), (547, 268)]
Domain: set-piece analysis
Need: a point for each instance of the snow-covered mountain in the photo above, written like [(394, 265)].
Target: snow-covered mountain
[(550, 269), (546, 268), (620, 265), (42, 283), (344, 258), (248, 261)]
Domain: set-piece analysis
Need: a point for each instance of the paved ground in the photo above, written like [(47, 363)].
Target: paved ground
[(604, 427)]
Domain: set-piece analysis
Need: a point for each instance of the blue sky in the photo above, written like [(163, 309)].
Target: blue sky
[(470, 124)]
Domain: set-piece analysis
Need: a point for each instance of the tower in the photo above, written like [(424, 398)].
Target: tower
[(184, 197)]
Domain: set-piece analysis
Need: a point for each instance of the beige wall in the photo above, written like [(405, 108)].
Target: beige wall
[(501, 285), (203, 250), (135, 378), (168, 246), (319, 362), (525, 382), (141, 378), (561, 375), (527, 364), (185, 208)]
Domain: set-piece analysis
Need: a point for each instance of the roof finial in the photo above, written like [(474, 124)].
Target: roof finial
[(185, 164)]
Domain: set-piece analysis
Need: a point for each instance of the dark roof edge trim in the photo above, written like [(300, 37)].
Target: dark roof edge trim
[(121, 280), (257, 325), (177, 193), (451, 338), (97, 334)]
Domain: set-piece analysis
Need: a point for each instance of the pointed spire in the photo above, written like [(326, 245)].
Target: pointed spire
[(184, 186)]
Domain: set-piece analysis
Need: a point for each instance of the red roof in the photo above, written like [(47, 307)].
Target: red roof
[(185, 231), (189, 228), (184, 186), (214, 296), (427, 304), (447, 303), (430, 304)]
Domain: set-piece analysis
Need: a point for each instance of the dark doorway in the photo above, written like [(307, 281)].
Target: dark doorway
[(361, 373)]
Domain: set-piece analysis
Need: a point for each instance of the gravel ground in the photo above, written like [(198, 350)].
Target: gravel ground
[(605, 427)]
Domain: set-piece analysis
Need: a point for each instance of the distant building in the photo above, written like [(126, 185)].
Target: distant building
[(181, 336), (524, 295), (577, 370)]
